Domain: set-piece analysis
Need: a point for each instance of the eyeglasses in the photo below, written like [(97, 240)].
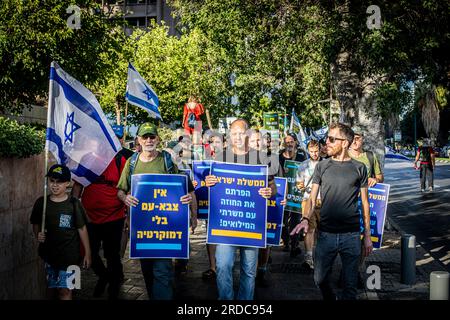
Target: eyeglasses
[(150, 136), (333, 139)]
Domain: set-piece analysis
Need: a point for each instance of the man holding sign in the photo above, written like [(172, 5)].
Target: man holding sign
[(239, 153), (158, 273)]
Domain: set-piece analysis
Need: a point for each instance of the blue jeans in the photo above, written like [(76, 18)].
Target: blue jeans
[(225, 255), (158, 276), (348, 245)]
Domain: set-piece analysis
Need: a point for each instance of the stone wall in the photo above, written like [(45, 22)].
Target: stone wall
[(22, 273)]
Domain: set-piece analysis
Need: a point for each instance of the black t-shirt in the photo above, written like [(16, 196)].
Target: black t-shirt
[(62, 221), (340, 184), (252, 157), (299, 157)]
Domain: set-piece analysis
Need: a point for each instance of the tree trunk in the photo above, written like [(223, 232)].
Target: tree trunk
[(430, 113), (355, 95)]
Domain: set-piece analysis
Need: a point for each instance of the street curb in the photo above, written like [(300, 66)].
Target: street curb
[(443, 161)]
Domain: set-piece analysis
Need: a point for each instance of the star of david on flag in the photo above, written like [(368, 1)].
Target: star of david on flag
[(68, 135), (78, 133), (140, 94)]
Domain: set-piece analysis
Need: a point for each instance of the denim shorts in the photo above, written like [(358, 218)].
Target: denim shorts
[(56, 278)]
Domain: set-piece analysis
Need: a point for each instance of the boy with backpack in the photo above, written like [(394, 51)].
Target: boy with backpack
[(65, 226)]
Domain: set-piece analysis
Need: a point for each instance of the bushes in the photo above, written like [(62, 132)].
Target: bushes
[(17, 140)]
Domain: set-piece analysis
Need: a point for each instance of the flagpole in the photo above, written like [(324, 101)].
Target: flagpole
[(292, 120), (49, 108), (125, 121)]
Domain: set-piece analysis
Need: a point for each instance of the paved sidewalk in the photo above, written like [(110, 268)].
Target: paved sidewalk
[(289, 279)]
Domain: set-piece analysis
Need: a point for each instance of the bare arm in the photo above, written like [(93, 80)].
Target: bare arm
[(40, 236), (128, 199), (417, 158), (87, 249), (433, 159), (77, 189), (194, 207), (304, 223), (380, 178), (366, 217)]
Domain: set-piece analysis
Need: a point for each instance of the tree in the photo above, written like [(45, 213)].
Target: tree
[(297, 50), (274, 49), (175, 68), (33, 33)]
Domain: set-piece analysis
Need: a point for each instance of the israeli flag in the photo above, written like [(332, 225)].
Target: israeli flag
[(297, 127), (321, 133), (392, 154), (78, 133), (140, 94)]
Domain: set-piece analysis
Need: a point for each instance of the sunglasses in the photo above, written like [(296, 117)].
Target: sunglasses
[(333, 139), (149, 136)]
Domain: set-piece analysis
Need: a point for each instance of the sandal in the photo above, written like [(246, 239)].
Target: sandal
[(209, 274)]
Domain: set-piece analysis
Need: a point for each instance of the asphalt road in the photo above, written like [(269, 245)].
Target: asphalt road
[(425, 215)]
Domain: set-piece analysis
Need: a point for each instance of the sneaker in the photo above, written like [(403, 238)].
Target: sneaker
[(309, 261), (422, 190), (261, 280), (431, 189), (209, 274)]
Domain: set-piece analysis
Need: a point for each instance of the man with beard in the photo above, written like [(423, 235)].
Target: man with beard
[(340, 180), (158, 273)]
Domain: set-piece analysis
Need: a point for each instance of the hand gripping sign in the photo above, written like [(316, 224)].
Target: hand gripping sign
[(237, 212), (160, 222)]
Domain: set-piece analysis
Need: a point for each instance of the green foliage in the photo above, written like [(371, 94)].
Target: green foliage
[(33, 33), (175, 68), (392, 99), (18, 140), (441, 96), (285, 48), (272, 48)]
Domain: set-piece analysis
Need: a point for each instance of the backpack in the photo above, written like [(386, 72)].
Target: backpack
[(168, 164), (370, 156), (191, 120), (425, 155)]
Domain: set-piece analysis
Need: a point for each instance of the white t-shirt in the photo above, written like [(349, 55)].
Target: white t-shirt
[(306, 176)]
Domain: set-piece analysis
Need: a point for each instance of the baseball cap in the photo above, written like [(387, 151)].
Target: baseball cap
[(60, 172), (147, 128), (118, 130)]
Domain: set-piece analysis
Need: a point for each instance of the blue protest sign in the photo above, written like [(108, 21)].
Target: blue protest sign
[(275, 213), (237, 213), (201, 169), (159, 225), (378, 201)]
